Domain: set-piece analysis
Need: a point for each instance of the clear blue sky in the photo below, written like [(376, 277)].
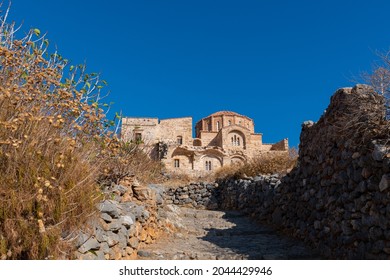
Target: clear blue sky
[(277, 62)]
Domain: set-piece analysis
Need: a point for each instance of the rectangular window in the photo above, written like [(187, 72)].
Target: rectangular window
[(179, 140), (138, 138), (177, 163)]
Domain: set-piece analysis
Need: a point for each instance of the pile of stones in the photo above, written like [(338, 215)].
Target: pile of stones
[(132, 217)]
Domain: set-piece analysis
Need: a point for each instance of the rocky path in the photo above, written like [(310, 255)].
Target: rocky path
[(222, 235)]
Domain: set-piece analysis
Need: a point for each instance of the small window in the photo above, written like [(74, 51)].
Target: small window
[(208, 165), (230, 122), (236, 141), (217, 126), (177, 163), (138, 137), (179, 140)]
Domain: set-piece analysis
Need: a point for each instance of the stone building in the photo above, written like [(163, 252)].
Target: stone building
[(222, 138)]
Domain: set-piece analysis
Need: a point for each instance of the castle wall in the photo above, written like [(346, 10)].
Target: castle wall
[(207, 138), (280, 146), (148, 127), (170, 129)]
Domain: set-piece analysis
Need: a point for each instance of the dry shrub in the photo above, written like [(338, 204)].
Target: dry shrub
[(178, 179), (266, 163), (127, 159), (53, 139)]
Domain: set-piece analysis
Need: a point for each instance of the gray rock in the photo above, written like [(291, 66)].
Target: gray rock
[(127, 221), (90, 244), (88, 256), (110, 207), (379, 152), (123, 237), (115, 225), (112, 239), (385, 182), (81, 239), (120, 189), (104, 248), (159, 190), (100, 235), (106, 217), (133, 242), (139, 212), (308, 123), (144, 254)]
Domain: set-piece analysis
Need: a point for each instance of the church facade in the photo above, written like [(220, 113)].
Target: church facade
[(223, 138)]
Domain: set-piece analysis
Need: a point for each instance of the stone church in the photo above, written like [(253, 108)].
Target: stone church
[(223, 138)]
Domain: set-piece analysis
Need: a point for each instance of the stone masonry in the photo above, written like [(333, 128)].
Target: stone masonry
[(337, 198), (223, 138)]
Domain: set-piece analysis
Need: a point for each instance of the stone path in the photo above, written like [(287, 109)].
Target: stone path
[(222, 235)]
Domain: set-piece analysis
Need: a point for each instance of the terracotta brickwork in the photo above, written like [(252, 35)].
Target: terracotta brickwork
[(222, 138)]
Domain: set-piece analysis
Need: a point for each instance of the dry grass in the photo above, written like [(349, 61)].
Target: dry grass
[(55, 146), (128, 159), (53, 139), (267, 163)]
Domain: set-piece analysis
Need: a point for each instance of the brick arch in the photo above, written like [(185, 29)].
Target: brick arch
[(227, 133), (185, 157), (237, 134), (214, 159), (237, 159)]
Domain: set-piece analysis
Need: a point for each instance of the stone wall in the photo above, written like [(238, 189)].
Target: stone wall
[(130, 218), (152, 130), (169, 129), (338, 197), (200, 195), (281, 145), (148, 127)]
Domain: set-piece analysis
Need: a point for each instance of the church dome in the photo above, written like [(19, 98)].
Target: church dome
[(225, 113)]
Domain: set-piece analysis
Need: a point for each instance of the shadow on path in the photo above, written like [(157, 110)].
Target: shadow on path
[(254, 241)]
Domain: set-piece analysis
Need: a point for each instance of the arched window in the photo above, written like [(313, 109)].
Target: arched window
[(236, 140), (177, 163), (217, 126), (230, 122), (208, 165), (179, 140)]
